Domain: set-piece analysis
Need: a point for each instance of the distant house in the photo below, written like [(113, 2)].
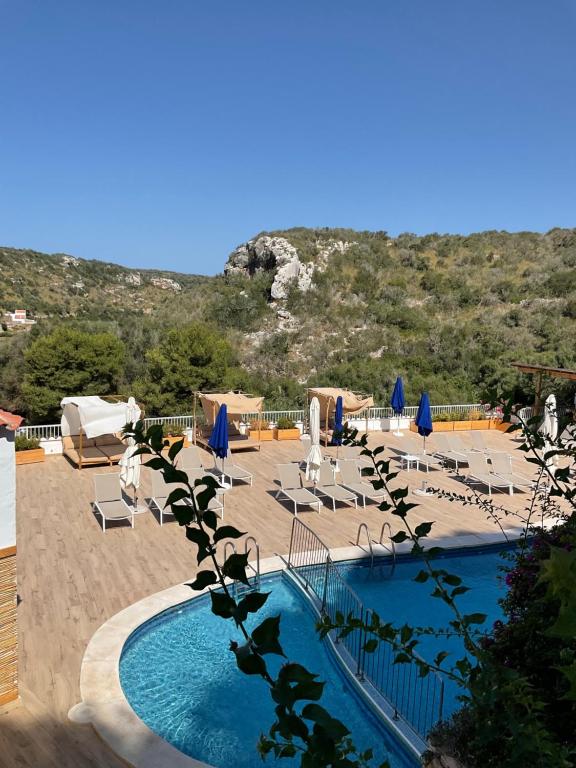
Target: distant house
[(18, 317)]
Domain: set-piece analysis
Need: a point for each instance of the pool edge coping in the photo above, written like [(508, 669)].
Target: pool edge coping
[(103, 703)]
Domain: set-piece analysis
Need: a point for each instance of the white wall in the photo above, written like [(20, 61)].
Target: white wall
[(7, 489)]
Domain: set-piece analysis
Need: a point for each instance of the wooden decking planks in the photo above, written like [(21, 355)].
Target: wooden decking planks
[(72, 577)]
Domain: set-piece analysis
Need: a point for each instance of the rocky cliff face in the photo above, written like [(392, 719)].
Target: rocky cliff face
[(279, 255)]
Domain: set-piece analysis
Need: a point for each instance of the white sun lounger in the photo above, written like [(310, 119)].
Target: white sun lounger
[(109, 502), (443, 450), (291, 487), (327, 486), (161, 490), (189, 458), (502, 466), (350, 478), (351, 453), (235, 472), (411, 455), (477, 440), (479, 474)]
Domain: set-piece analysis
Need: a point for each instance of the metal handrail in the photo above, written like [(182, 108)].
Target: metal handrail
[(418, 700), (257, 569), (226, 545), (364, 527)]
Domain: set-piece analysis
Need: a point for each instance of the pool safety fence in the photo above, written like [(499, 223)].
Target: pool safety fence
[(417, 699)]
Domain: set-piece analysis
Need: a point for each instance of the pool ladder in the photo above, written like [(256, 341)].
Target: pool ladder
[(363, 527), (238, 586)]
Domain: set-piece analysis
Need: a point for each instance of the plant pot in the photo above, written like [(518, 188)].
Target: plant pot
[(30, 457), (287, 434), (501, 426), (481, 424), (265, 434), (459, 425)]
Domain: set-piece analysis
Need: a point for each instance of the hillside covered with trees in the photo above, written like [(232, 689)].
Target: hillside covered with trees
[(296, 307)]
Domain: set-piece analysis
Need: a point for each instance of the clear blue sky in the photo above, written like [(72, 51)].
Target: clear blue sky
[(161, 134)]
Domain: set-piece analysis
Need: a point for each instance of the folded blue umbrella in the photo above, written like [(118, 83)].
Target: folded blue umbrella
[(219, 436), (424, 416), (397, 400), (338, 416)]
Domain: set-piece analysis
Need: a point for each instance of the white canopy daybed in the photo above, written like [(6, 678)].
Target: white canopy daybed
[(91, 429)]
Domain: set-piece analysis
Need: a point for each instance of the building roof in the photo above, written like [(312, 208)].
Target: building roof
[(10, 420)]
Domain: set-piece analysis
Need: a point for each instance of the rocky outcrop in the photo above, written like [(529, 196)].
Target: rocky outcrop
[(278, 254), (166, 283)]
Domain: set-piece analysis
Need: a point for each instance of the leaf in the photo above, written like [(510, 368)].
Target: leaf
[(370, 645), (235, 567), (203, 579), (227, 532), (423, 529), (452, 580), (176, 495), (317, 714), (266, 635), (209, 517), (251, 664), (198, 537), (175, 449), (183, 513), (222, 604), (250, 604), (203, 499), (422, 577), (399, 537), (440, 658), (474, 618), (155, 463)]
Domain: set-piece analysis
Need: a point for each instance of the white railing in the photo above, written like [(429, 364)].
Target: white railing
[(52, 431), (184, 422), (272, 416), (40, 431)]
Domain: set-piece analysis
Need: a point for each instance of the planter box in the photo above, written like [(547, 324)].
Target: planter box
[(265, 434), (174, 439), (287, 434), (453, 426), (30, 457)]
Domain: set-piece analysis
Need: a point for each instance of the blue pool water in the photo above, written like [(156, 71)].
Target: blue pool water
[(181, 679), (398, 598)]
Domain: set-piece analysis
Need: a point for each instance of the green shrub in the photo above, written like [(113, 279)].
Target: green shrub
[(259, 424), (174, 430), (26, 443), (285, 423)]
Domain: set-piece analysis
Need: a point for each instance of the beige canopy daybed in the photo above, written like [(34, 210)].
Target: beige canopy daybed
[(354, 404), (91, 428), (238, 404)]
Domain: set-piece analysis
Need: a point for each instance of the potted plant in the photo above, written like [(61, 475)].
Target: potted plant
[(286, 429), (260, 428), (173, 433), (28, 450)]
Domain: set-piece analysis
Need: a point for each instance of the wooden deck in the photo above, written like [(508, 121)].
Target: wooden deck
[(73, 577)]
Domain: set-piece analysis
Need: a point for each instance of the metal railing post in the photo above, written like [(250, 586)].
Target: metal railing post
[(325, 589)]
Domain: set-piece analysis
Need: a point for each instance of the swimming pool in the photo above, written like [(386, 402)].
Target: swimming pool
[(180, 678), (398, 598)]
